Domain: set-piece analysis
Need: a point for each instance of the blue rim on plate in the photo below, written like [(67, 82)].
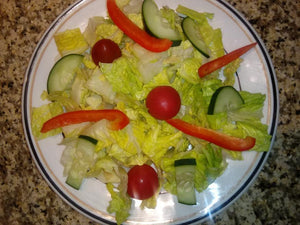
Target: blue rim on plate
[(261, 160)]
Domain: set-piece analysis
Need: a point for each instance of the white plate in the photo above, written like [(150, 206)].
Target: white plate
[(256, 74)]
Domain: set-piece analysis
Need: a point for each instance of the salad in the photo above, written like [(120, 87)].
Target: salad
[(146, 103)]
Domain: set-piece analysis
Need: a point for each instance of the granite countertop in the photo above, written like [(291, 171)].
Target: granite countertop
[(25, 197)]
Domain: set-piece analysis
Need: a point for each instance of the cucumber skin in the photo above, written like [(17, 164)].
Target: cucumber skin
[(176, 41), (88, 138), (184, 162), (54, 74), (212, 104)]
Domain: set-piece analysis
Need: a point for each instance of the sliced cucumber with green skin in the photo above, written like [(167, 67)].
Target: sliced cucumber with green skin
[(63, 72), (85, 149), (74, 179), (155, 24), (185, 174), (193, 35), (225, 99)]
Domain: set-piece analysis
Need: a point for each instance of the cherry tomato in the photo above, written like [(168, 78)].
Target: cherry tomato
[(142, 182), (105, 51), (163, 102)]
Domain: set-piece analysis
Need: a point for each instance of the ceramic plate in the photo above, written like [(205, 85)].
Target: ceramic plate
[(256, 74)]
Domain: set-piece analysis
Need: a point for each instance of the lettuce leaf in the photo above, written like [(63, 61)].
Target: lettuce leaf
[(173, 19), (251, 109), (230, 70), (63, 98), (40, 115), (149, 63), (70, 41), (97, 83), (106, 170), (245, 121), (79, 91), (120, 203), (259, 131), (124, 76)]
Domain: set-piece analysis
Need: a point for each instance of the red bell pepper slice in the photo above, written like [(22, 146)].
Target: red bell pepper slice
[(218, 63), (134, 32), (217, 138), (118, 120)]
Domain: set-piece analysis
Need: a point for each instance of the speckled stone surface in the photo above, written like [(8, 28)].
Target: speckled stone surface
[(25, 197)]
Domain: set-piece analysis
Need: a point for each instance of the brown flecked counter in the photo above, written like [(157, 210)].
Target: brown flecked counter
[(26, 198)]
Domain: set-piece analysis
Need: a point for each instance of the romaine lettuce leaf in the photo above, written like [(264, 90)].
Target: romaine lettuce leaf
[(98, 84), (63, 98), (124, 76), (79, 91), (40, 115), (70, 42), (120, 202), (149, 63), (106, 170), (230, 70), (173, 19), (251, 109), (110, 31), (89, 34), (259, 131)]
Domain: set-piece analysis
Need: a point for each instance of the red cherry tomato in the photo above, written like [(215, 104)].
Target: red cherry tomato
[(105, 51), (163, 102), (142, 182)]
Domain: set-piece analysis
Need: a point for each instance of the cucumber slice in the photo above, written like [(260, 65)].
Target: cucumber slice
[(156, 25), (225, 99), (74, 179), (84, 157), (185, 173), (62, 73), (193, 35)]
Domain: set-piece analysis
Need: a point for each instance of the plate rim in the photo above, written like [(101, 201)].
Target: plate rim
[(237, 193)]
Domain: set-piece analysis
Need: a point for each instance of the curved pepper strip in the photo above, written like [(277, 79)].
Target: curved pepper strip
[(118, 120), (218, 63), (134, 32), (217, 138)]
